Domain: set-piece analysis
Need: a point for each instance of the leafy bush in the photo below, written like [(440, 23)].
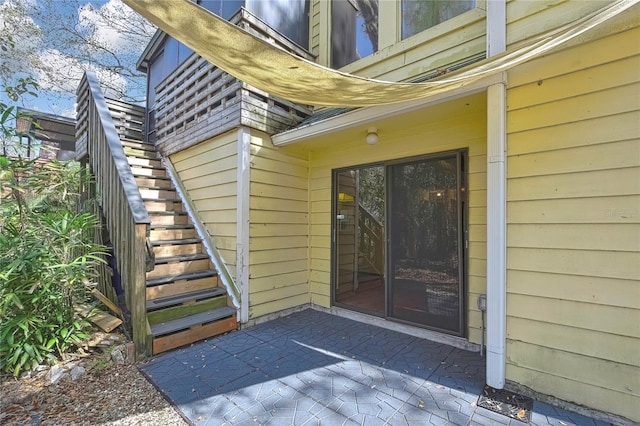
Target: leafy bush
[(46, 255)]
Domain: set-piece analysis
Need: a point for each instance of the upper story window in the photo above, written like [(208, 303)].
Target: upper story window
[(223, 8), (418, 15), (288, 17), (354, 30)]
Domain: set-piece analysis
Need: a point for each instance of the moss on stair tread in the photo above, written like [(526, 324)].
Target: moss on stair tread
[(172, 326), (193, 296)]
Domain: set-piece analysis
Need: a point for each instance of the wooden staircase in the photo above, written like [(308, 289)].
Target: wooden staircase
[(184, 300)]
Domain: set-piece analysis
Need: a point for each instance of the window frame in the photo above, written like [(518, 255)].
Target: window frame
[(390, 40)]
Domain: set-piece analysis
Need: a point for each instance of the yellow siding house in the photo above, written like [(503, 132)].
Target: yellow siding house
[(520, 190)]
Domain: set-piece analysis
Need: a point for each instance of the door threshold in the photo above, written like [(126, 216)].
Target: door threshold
[(457, 342)]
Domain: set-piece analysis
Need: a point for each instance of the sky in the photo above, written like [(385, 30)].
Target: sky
[(33, 38)]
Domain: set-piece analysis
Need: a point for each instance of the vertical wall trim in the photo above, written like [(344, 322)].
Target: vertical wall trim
[(325, 34), (242, 220), (388, 29), (496, 235), (496, 27), (496, 204)]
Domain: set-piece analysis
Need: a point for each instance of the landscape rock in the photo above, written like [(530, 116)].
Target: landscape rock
[(117, 356), (55, 374), (77, 372), (123, 354)]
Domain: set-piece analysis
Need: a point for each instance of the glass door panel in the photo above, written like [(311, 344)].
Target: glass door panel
[(425, 280), (360, 242)]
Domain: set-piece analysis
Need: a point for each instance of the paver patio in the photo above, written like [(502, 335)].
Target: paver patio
[(314, 368)]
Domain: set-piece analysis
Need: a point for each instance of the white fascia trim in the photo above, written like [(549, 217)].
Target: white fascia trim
[(242, 220), (364, 116)]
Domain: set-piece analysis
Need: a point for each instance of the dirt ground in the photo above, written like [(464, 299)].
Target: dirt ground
[(107, 393)]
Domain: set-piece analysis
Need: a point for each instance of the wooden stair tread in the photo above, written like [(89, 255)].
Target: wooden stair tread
[(181, 226), (191, 296), (178, 277), (187, 322), (176, 242), (167, 213), (182, 258), (136, 142)]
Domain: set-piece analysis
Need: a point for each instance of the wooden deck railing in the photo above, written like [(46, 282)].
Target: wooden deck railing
[(198, 100), (127, 220)]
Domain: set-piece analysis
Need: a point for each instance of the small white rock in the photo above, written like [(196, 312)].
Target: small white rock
[(77, 372)]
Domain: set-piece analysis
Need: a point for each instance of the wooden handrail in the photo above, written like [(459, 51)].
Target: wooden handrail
[(371, 239), (117, 194)]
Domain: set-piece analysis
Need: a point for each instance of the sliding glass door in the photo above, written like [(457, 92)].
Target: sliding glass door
[(398, 240), (360, 243)]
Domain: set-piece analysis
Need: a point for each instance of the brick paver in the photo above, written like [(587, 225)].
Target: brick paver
[(313, 368)]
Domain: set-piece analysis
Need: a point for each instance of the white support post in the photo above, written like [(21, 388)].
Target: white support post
[(496, 204), (496, 235), (496, 27), (242, 221)]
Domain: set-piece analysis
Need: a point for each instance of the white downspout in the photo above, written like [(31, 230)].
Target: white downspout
[(496, 204), (242, 221)]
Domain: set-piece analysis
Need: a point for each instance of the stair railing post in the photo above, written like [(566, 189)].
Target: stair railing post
[(140, 325)]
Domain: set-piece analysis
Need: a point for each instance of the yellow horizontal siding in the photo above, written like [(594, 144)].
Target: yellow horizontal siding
[(600, 398), (587, 289), (278, 228), (601, 130), (589, 316), (598, 183), (575, 236), (573, 211), (526, 18), (208, 173), (258, 310), (571, 339), (453, 125)]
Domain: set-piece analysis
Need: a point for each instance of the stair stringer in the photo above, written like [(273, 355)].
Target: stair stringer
[(208, 240)]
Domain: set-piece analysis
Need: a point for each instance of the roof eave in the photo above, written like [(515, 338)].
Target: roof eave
[(364, 116), (149, 52)]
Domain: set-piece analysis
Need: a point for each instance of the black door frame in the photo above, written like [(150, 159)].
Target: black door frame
[(462, 178)]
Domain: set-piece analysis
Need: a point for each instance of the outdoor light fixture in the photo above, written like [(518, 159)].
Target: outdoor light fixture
[(372, 136)]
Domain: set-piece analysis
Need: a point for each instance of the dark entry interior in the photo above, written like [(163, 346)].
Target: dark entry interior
[(398, 250)]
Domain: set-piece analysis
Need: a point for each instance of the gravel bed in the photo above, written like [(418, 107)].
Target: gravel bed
[(107, 394)]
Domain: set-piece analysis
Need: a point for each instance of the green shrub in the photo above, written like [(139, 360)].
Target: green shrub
[(46, 255)]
